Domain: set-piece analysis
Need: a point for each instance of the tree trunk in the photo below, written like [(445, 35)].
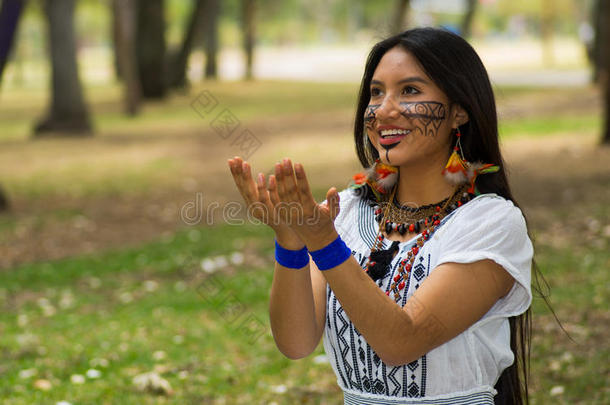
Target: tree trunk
[(400, 16), (68, 113), (178, 63), (124, 18), (600, 26), (210, 38), (10, 15), (4, 205), (115, 34), (604, 73), (248, 27), (471, 8), (151, 47)]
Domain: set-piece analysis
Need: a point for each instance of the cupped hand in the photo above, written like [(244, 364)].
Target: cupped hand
[(261, 201), (312, 222)]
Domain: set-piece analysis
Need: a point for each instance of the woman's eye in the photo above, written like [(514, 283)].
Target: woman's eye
[(411, 90), (374, 91)]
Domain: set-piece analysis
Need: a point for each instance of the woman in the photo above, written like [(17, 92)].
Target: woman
[(418, 275)]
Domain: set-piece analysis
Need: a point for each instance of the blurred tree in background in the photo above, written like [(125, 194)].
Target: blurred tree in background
[(151, 48), (68, 112)]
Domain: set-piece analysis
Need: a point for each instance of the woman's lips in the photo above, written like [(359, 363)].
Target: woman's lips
[(391, 139)]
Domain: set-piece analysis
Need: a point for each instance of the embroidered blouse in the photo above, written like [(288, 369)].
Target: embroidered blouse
[(465, 369)]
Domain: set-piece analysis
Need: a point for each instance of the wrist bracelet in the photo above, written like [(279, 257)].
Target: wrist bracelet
[(292, 259), (331, 255)]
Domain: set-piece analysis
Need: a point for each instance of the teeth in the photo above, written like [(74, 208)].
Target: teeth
[(388, 132)]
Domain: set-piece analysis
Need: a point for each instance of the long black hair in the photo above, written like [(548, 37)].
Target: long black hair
[(454, 66)]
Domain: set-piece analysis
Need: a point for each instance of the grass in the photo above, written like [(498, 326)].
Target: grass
[(128, 312), (153, 308)]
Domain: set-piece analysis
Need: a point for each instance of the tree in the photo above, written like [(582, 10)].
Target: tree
[(210, 38), (248, 11), (204, 21), (604, 73), (471, 8), (125, 53), (151, 48), (4, 205), (68, 112), (10, 15), (400, 16), (178, 62)]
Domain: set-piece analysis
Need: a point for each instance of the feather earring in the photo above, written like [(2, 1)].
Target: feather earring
[(455, 171), (459, 171), (380, 177)]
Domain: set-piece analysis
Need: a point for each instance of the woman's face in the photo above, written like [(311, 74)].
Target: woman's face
[(409, 119)]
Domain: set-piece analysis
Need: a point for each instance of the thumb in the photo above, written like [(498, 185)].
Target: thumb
[(332, 196)]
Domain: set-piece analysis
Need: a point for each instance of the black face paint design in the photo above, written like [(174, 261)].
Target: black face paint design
[(369, 122), (426, 115), (369, 116)]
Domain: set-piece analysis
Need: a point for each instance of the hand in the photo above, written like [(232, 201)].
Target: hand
[(261, 202), (312, 222)]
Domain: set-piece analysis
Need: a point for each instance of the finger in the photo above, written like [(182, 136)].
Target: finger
[(263, 197), (279, 177), (290, 184), (275, 199), (238, 177), (303, 185), (249, 184), (333, 202)]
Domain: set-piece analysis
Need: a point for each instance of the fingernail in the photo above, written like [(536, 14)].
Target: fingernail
[(260, 179)]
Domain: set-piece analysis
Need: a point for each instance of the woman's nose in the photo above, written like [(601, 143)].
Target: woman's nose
[(389, 108)]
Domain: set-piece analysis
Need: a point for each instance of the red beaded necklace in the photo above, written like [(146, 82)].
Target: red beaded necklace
[(429, 224)]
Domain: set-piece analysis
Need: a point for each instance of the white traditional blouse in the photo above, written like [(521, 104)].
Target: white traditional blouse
[(465, 369)]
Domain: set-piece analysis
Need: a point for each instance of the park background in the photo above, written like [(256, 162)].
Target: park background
[(129, 271)]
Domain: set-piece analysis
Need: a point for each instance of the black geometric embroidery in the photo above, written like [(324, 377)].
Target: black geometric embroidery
[(379, 387), (395, 381), (376, 359), (362, 357), (413, 365), (419, 272), (366, 384), (413, 390)]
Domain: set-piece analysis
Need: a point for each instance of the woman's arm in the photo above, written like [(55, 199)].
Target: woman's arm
[(297, 310), (297, 305), (453, 297), (450, 300)]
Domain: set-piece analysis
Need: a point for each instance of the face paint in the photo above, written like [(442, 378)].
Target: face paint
[(369, 116), (426, 115)]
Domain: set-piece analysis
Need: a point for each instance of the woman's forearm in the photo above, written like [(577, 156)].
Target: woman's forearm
[(292, 312), (291, 304)]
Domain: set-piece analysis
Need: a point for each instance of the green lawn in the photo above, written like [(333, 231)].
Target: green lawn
[(155, 308)]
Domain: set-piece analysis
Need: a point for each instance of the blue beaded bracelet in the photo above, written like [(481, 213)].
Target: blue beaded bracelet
[(331, 255), (292, 259)]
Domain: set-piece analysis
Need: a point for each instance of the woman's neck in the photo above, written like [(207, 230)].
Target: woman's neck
[(422, 185)]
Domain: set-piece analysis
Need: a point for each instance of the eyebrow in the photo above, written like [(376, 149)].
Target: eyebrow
[(405, 80)]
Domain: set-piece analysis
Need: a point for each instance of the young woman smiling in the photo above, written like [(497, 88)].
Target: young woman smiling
[(418, 275)]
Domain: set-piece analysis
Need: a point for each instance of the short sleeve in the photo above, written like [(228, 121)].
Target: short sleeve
[(491, 227)]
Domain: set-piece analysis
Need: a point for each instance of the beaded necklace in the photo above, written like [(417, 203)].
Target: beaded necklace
[(394, 218)]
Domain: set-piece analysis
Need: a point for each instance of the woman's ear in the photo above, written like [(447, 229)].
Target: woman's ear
[(459, 115)]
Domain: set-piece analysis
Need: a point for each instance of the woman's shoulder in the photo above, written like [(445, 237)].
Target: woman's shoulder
[(489, 206)]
